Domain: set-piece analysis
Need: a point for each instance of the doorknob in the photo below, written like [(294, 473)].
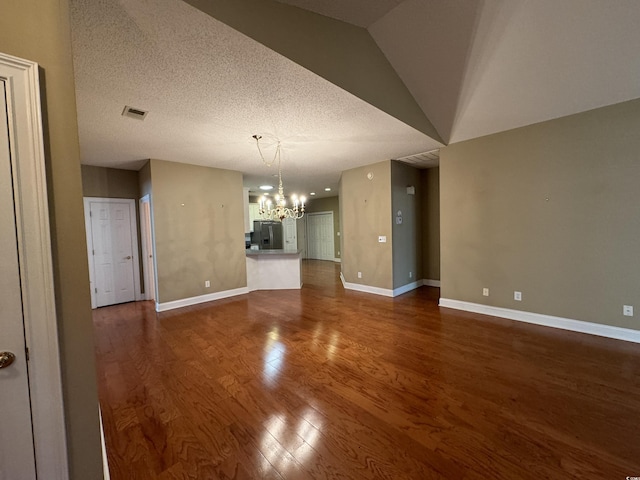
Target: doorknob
[(128, 258), (6, 359)]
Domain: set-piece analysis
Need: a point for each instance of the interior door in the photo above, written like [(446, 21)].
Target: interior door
[(17, 458), (320, 236), (113, 258), (290, 234)]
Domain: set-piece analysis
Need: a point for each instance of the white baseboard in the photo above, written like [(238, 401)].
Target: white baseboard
[(185, 302), (407, 288), (608, 331), (431, 283), (386, 292), (337, 260), (105, 463)]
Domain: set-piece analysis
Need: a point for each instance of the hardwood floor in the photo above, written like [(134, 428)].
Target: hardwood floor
[(322, 383)]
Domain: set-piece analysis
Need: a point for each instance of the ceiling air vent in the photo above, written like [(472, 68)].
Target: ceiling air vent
[(423, 160), (134, 113)]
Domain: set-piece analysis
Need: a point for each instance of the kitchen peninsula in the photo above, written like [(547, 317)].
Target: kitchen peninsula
[(274, 269)]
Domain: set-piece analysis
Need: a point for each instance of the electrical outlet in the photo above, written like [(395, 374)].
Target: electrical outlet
[(382, 239), (627, 310), (207, 283), (359, 274), (517, 296), (485, 292)]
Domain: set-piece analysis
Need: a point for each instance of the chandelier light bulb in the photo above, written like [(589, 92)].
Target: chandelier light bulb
[(280, 209)]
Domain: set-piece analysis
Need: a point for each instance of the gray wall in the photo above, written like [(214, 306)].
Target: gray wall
[(198, 223), (39, 30), (407, 236), (366, 213), (550, 210), (430, 181)]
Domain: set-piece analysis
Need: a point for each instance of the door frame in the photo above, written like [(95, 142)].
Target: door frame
[(36, 268), (146, 232), (134, 237), (333, 233)]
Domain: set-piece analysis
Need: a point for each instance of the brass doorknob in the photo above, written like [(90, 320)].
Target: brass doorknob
[(6, 359)]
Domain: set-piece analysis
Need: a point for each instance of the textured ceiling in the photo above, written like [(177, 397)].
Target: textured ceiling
[(357, 12), (474, 67), (208, 89)]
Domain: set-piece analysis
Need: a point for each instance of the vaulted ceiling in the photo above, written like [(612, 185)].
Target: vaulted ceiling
[(341, 83)]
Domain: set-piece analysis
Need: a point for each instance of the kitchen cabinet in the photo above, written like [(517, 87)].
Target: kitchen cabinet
[(254, 214)]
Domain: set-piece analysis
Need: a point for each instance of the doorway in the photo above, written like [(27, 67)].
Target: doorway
[(148, 258), (112, 245), (320, 244)]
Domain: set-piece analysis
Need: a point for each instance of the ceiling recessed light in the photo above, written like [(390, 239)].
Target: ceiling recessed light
[(312, 193), (327, 189), (266, 187)]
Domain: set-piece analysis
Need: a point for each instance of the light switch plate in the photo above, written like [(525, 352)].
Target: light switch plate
[(382, 239)]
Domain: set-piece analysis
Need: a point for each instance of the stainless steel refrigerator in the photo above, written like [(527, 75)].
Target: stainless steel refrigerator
[(267, 234)]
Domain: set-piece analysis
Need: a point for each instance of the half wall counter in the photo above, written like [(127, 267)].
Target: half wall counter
[(274, 269)]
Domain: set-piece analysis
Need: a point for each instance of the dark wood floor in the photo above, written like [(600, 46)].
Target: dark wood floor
[(323, 383)]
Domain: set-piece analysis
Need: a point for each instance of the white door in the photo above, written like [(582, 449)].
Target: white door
[(17, 458), (113, 254), (290, 234), (320, 236)]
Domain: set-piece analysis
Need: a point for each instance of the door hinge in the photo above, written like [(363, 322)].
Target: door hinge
[(96, 290), (93, 252), (26, 352)]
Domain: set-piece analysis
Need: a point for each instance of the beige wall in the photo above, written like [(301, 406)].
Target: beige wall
[(328, 204), (366, 214), (39, 30), (198, 223), (550, 210), (430, 180), (144, 180), (109, 182), (407, 236)]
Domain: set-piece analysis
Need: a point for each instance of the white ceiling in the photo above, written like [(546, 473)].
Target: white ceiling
[(481, 67), (475, 67)]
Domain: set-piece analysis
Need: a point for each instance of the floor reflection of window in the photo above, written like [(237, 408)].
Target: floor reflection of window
[(274, 351), (280, 441)]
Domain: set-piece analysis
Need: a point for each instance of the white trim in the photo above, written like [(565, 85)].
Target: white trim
[(105, 461), (407, 288), (386, 292), (185, 302), (366, 288), (34, 245), (337, 260), (591, 328), (431, 283), (133, 225)]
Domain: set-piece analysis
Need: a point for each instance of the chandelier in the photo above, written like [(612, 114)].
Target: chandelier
[(267, 208)]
